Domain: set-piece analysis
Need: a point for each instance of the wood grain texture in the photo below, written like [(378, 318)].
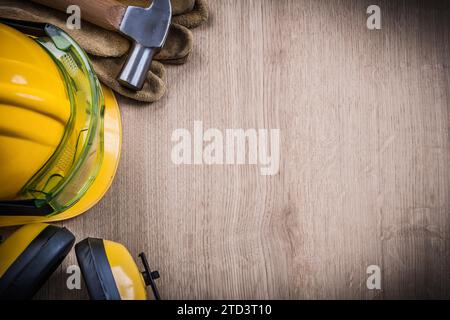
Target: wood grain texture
[(364, 176)]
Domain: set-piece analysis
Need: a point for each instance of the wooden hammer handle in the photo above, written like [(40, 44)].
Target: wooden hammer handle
[(107, 14)]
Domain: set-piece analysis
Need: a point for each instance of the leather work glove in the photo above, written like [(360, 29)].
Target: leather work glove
[(108, 49)]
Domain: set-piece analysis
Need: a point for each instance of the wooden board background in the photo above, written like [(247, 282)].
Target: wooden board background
[(364, 176)]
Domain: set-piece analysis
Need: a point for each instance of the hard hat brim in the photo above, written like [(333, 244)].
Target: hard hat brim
[(101, 184)]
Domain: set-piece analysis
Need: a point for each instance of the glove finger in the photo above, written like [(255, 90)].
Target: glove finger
[(178, 6), (178, 46), (94, 40), (188, 13), (154, 88), (194, 18), (97, 41), (182, 6)]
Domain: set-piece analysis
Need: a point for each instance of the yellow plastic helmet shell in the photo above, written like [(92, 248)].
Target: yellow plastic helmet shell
[(28, 258), (109, 271), (34, 109)]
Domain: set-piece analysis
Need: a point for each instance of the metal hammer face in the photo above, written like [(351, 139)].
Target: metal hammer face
[(148, 29)]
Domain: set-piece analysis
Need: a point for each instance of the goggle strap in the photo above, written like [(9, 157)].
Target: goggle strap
[(24, 208), (36, 29)]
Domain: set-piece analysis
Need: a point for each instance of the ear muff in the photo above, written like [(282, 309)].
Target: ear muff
[(94, 266), (110, 272), (29, 257)]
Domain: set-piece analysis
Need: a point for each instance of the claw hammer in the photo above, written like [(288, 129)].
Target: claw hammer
[(147, 28)]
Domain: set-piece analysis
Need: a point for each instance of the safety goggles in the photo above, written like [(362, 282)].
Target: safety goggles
[(74, 165)]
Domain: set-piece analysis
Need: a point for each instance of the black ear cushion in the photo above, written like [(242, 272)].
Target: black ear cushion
[(96, 270), (36, 264)]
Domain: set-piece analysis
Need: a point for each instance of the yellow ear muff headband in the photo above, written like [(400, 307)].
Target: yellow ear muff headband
[(29, 257)]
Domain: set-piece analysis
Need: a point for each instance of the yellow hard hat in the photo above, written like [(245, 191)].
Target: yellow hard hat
[(60, 130)]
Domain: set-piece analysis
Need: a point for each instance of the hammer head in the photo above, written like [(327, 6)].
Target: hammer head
[(148, 29)]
